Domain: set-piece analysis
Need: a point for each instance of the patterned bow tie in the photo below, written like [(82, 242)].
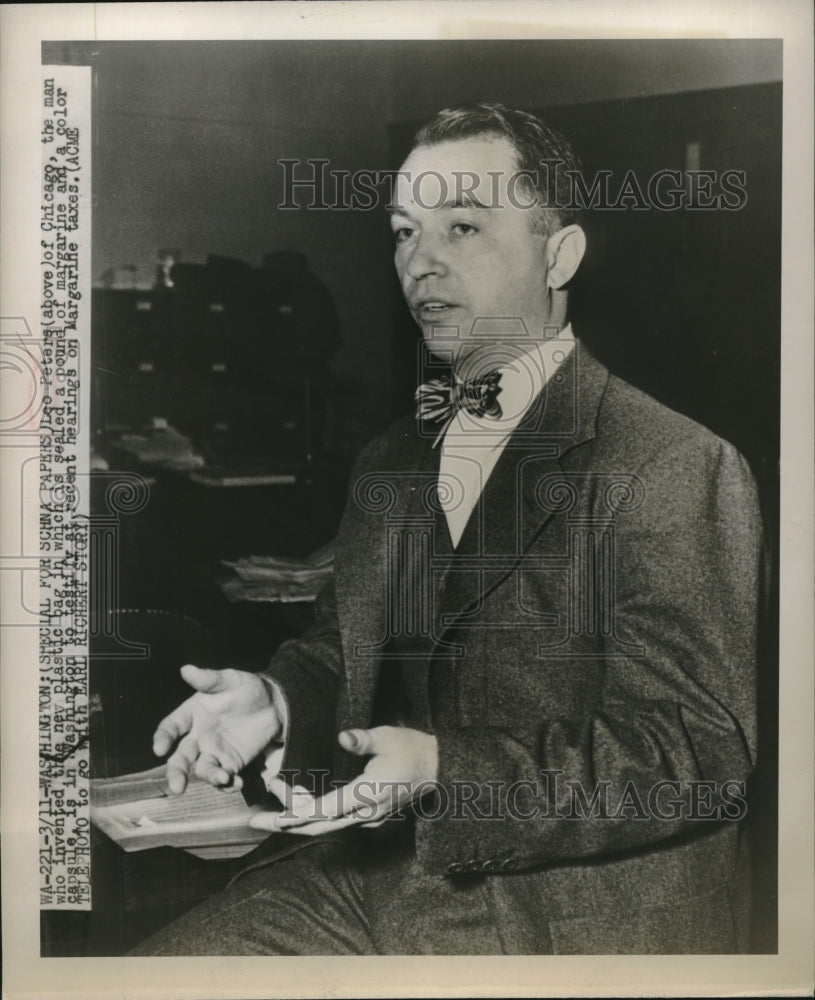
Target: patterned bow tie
[(440, 399)]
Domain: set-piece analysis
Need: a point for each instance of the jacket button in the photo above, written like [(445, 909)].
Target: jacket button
[(509, 864), (473, 866), (455, 869)]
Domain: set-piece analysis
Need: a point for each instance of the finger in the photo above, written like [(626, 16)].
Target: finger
[(269, 820), (273, 823), (359, 799), (318, 829), (315, 828), (178, 766), (308, 809), (289, 796), (210, 769), (264, 821), (235, 784), (358, 741), (204, 680), (170, 729)]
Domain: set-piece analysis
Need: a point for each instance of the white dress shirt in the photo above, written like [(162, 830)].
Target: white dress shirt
[(472, 445)]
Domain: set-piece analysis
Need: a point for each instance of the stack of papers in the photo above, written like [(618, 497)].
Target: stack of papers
[(279, 578), (138, 812), (163, 446)]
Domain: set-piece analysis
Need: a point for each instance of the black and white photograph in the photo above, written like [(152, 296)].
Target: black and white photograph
[(409, 565)]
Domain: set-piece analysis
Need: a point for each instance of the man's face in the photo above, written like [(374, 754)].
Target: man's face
[(468, 260)]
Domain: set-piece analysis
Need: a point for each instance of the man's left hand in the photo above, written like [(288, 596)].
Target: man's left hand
[(403, 764)]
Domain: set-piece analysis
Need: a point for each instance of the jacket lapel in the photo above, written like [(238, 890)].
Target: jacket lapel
[(510, 513)]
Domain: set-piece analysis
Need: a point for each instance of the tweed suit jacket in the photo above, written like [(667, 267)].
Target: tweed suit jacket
[(592, 664)]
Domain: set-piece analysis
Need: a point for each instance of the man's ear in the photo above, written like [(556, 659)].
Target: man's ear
[(564, 251)]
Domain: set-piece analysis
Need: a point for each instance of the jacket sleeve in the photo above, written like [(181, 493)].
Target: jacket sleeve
[(670, 738), (306, 673)]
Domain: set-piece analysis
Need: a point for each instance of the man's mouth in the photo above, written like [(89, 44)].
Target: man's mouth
[(433, 307)]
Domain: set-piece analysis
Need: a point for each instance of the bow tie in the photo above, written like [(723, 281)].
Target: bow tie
[(440, 399)]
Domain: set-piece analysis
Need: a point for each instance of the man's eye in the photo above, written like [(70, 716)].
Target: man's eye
[(464, 228), (402, 233)]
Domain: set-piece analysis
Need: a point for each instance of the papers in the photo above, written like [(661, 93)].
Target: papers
[(278, 578), (163, 446), (138, 812)]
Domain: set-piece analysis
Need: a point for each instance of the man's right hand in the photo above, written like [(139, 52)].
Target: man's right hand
[(228, 721)]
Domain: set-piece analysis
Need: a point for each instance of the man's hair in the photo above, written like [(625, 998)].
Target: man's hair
[(537, 149)]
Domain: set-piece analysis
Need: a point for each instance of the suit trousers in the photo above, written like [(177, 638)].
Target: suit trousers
[(362, 893)]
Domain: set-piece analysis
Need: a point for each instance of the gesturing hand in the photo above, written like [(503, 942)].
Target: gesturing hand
[(403, 763), (228, 721)]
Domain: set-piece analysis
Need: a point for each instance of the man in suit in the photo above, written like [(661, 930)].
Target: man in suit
[(540, 638)]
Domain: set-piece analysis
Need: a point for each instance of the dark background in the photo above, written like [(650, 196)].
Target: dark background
[(684, 304)]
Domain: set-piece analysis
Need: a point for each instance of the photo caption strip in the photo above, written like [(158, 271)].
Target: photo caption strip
[(64, 501)]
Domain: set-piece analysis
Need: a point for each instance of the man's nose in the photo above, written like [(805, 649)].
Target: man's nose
[(426, 258)]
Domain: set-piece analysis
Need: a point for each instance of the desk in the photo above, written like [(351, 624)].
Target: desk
[(194, 519)]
